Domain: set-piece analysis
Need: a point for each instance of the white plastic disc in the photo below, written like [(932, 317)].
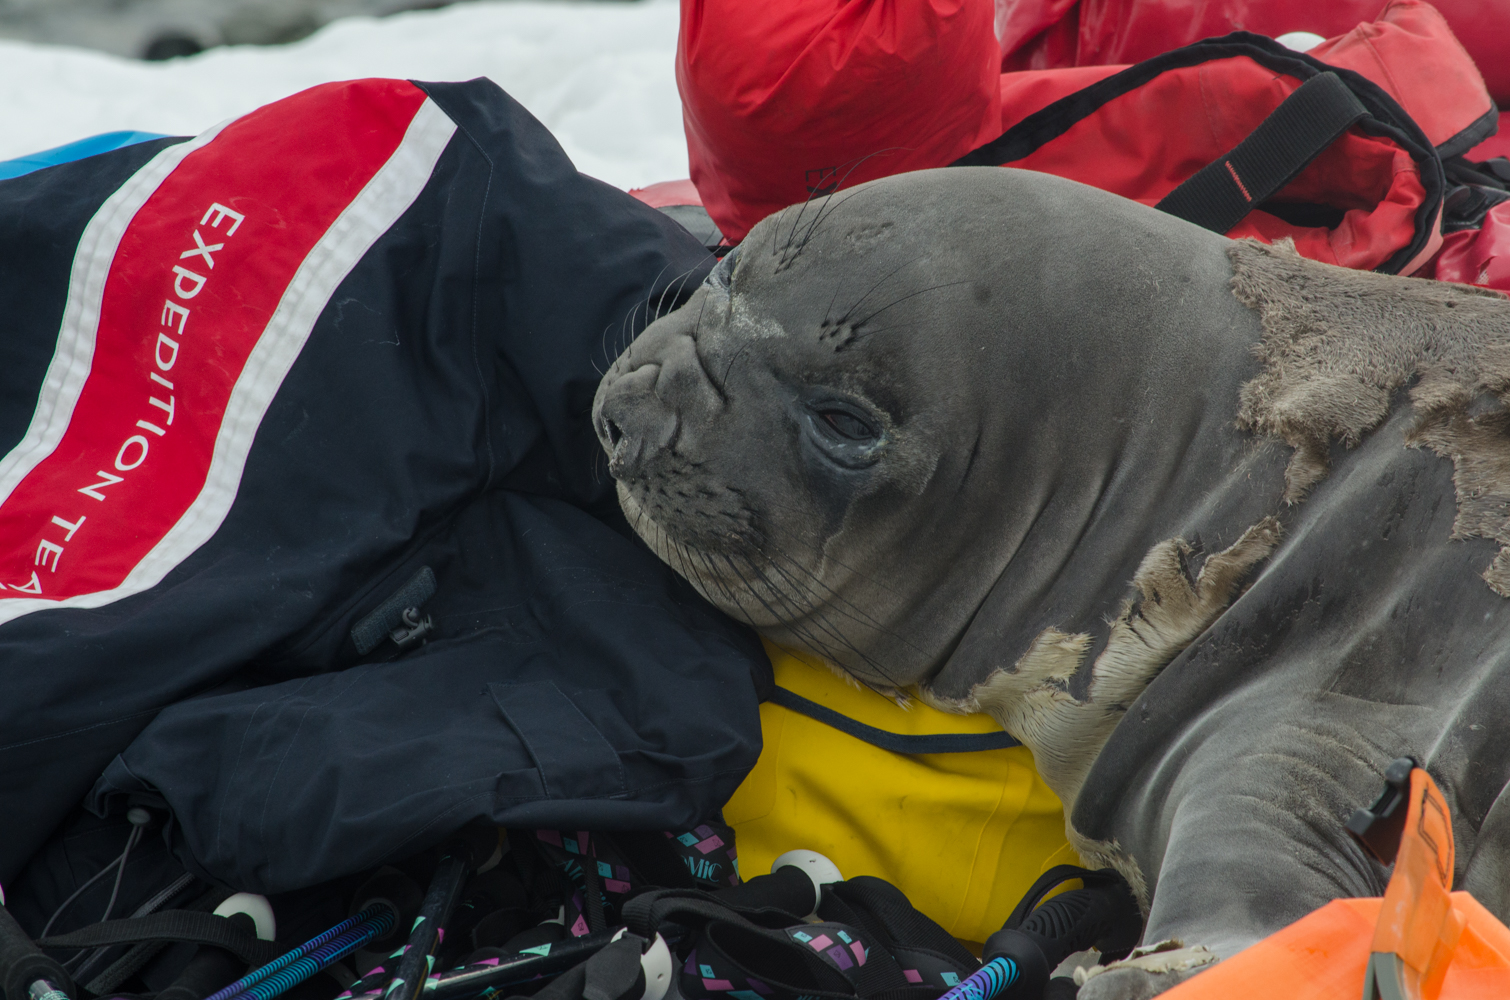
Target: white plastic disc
[(814, 865), (1300, 41), (657, 966), (819, 868), (255, 906)]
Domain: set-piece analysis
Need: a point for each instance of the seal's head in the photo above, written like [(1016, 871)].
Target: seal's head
[(847, 432)]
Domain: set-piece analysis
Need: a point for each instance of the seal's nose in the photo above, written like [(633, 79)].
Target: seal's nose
[(612, 434), (632, 423)]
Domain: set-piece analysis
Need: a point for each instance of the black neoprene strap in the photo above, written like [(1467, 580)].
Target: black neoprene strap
[(895, 742), (1295, 133), (170, 925)]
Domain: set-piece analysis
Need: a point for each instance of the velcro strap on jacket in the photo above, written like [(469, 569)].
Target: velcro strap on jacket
[(172, 925), (1221, 193), (895, 742)]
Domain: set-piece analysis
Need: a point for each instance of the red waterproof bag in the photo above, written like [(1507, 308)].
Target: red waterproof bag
[(790, 99), (1290, 146), (1049, 34)]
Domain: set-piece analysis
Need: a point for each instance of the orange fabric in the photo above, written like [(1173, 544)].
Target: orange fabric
[(1322, 957), (1416, 919), (1450, 946)]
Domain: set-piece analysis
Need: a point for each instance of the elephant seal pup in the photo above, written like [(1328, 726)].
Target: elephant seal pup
[(1213, 529)]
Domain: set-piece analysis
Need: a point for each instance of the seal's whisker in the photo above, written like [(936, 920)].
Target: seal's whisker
[(766, 526), (628, 329), (848, 608), (750, 588), (696, 577), (670, 543), (770, 586), (603, 346), (818, 647), (825, 211), (811, 195), (828, 210), (730, 367), (829, 312), (702, 585), (888, 276), (681, 283), (828, 207), (909, 295), (689, 573), (820, 610), (814, 615), (718, 578), (891, 684), (813, 599), (621, 344), (815, 194), (650, 290)]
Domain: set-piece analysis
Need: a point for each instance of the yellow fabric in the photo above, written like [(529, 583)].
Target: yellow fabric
[(963, 835)]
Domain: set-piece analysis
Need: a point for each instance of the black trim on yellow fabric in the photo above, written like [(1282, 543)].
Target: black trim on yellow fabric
[(895, 742)]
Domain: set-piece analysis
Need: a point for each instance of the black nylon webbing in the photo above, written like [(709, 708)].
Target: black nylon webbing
[(173, 925), (895, 742), (1220, 194), (644, 914)]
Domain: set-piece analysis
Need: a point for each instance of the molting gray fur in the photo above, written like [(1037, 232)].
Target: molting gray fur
[(1337, 345)]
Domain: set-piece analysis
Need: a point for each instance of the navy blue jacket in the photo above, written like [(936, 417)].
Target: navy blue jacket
[(262, 390)]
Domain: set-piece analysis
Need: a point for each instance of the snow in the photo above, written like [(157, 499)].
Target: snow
[(599, 75)]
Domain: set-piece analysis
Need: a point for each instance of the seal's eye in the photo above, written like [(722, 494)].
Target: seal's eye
[(847, 425), (844, 432), (722, 275)]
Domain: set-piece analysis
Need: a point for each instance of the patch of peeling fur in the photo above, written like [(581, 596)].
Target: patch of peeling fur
[(1337, 343), (1032, 701)]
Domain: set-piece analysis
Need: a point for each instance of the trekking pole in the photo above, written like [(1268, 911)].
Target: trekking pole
[(25, 972), (292, 968), (489, 977), (540, 962), (461, 857), (396, 889), (1021, 956)]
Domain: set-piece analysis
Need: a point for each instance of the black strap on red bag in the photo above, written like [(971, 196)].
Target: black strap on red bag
[(1218, 195), (1329, 101)]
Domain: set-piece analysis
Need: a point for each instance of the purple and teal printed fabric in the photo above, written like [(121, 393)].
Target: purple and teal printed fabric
[(707, 852), (708, 974), (837, 944), (714, 977), (928, 968)]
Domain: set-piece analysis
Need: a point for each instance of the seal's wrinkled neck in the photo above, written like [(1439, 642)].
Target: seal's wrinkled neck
[(1135, 355)]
